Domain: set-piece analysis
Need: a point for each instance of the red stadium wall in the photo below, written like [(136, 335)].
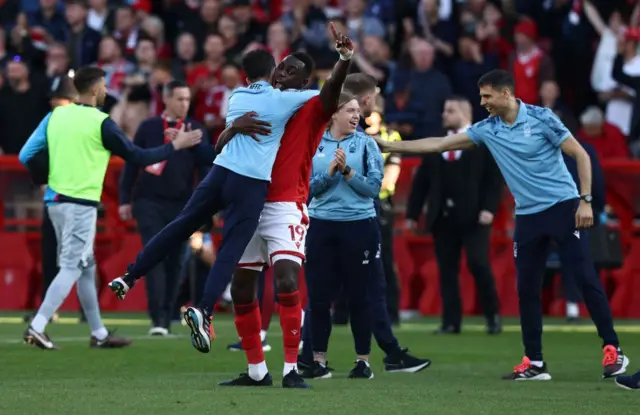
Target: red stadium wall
[(117, 245)]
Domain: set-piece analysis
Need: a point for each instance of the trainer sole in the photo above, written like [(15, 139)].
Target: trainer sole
[(413, 369), (620, 385), (542, 376), (623, 369), (199, 338)]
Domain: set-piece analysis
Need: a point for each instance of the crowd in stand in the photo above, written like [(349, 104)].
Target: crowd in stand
[(561, 53)]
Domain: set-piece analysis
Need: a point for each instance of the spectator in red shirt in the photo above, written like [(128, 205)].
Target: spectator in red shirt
[(208, 74), (212, 107), (126, 28), (228, 29), (529, 65), (185, 59), (278, 41), (112, 61), (153, 27), (607, 139)]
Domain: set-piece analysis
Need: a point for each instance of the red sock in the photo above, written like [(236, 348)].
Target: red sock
[(290, 321), (248, 325)]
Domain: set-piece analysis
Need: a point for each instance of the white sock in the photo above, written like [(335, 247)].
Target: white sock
[(365, 361), (573, 310), (39, 323), (288, 367), (259, 371), (226, 295), (100, 334), (537, 363), (263, 335)]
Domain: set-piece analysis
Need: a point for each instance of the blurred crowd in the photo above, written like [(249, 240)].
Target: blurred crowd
[(561, 53)]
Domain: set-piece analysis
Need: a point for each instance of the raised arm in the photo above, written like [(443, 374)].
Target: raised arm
[(331, 89), (594, 17), (457, 141)]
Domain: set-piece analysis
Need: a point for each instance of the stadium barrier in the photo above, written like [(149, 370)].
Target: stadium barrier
[(117, 244)]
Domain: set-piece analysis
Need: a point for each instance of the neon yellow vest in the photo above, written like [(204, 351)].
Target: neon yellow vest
[(388, 136), (77, 158)]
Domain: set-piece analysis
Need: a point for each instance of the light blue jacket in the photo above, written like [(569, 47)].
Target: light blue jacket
[(336, 198)]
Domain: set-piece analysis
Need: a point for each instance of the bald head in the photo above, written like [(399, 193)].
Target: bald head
[(457, 113)]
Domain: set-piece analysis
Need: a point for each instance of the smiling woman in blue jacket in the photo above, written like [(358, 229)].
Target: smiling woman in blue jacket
[(343, 240)]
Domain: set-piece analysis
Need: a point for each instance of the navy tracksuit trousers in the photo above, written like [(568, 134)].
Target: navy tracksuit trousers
[(342, 255), (242, 197), (531, 244)]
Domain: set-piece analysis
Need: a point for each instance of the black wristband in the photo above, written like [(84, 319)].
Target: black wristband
[(346, 170)]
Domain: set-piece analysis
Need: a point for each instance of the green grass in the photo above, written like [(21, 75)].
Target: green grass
[(167, 376)]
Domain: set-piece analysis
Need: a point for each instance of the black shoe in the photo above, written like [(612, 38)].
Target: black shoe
[(494, 325), (304, 363), (361, 371), (316, 371), (403, 362), (245, 380), (526, 371), (40, 340), (293, 380), (447, 330)]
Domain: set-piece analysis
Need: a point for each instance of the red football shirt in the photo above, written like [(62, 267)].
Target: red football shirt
[(292, 169)]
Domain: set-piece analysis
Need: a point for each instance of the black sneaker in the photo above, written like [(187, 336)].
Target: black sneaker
[(40, 340), (293, 380), (199, 322), (245, 380), (614, 362), (316, 371), (361, 371), (494, 325), (304, 363), (526, 371), (403, 362), (121, 285)]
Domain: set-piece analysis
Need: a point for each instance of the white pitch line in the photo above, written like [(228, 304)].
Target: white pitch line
[(86, 338)]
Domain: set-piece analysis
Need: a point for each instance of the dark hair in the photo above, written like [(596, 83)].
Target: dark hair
[(86, 77), (144, 37), (498, 79), (309, 64), (126, 7), (258, 64), (360, 83), (163, 65), (170, 86), (81, 3)]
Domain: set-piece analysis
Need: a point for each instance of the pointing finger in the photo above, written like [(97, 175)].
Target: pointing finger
[(334, 32)]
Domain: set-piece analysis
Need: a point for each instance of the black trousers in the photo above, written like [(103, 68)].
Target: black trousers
[(449, 240), (164, 279), (386, 218)]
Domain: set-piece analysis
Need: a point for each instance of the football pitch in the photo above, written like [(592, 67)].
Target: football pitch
[(167, 376)]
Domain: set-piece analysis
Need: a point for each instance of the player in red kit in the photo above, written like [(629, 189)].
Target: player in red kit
[(280, 238)]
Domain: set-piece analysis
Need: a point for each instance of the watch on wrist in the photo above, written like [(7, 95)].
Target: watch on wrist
[(346, 170), (587, 198)]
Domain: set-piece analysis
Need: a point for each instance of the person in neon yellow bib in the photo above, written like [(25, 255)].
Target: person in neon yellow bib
[(79, 140)]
